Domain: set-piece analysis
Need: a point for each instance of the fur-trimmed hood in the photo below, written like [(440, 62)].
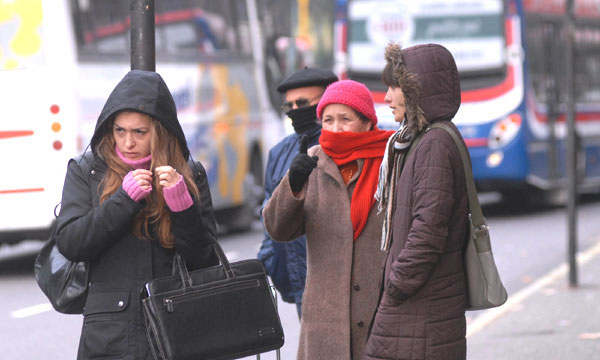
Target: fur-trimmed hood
[(428, 77)]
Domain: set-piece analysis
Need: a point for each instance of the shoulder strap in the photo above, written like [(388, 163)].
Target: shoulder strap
[(413, 146), (85, 162), (476, 213)]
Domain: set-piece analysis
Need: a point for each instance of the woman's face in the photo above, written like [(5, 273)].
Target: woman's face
[(395, 97), (131, 131), (338, 118)]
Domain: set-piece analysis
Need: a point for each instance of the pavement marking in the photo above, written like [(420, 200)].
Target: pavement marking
[(491, 315), (30, 311), (42, 308)]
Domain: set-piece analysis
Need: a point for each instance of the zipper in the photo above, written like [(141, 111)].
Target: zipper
[(169, 302)]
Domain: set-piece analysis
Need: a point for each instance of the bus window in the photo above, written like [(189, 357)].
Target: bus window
[(102, 27), (587, 64), (207, 56), (202, 27)]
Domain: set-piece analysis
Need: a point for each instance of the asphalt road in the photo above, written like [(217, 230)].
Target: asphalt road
[(527, 243)]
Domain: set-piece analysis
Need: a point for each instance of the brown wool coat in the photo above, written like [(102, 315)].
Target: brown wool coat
[(343, 276), (422, 311)]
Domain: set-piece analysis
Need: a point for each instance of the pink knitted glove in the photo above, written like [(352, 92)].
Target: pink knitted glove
[(135, 192), (177, 196)]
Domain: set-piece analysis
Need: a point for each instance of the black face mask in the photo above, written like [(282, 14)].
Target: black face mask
[(303, 118)]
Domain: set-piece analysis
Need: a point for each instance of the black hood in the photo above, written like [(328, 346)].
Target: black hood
[(145, 92)]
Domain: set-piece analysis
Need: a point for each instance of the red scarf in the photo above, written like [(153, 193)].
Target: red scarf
[(344, 147)]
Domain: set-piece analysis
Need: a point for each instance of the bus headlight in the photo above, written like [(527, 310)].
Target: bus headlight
[(504, 131), (494, 159)]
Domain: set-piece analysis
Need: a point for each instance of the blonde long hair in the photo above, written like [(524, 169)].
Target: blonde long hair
[(166, 150)]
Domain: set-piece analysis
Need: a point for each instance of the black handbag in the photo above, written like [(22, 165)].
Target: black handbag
[(222, 312), (64, 282)]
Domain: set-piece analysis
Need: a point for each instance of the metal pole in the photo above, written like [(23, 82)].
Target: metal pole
[(143, 55), (571, 143)]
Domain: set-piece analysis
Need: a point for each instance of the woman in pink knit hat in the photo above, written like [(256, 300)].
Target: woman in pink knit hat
[(328, 195)]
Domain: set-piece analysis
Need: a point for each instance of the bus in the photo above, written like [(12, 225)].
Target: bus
[(511, 61), (37, 111), (213, 54)]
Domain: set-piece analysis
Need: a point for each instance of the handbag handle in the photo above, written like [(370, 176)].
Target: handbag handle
[(223, 259), (180, 266)]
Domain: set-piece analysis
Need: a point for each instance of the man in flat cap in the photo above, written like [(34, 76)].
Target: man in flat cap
[(286, 262)]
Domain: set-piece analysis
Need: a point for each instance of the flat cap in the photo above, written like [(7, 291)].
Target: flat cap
[(307, 77)]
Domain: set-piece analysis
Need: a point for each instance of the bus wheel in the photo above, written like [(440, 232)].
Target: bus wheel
[(245, 215)]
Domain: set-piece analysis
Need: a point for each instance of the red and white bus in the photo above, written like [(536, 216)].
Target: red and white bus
[(510, 55)]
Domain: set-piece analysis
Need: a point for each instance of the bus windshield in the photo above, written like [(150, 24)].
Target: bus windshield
[(473, 30), (183, 30)]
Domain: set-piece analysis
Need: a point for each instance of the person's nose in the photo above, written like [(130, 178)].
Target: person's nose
[(129, 141), (337, 127), (388, 96)]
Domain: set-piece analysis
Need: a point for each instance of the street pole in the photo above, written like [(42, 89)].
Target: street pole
[(571, 143), (143, 55)]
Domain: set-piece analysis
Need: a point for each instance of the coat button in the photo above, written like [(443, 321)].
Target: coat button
[(93, 172), (121, 303), (141, 107), (356, 287), (361, 324)]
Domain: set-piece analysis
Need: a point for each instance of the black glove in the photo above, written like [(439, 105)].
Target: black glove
[(301, 166)]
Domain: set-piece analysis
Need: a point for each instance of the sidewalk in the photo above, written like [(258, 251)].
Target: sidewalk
[(546, 320)]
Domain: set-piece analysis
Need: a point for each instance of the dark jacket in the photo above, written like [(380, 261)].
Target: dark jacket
[(285, 262), (421, 314), (120, 263)]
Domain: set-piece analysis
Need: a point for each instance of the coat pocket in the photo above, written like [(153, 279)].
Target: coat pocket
[(105, 325)]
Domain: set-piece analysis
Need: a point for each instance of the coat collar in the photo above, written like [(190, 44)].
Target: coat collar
[(329, 167)]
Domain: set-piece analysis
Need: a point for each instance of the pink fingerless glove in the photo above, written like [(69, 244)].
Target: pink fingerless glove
[(177, 196), (135, 192)]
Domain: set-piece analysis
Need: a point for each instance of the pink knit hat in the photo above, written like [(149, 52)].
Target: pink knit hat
[(349, 93)]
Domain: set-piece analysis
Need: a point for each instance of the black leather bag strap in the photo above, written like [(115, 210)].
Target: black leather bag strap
[(85, 162), (179, 266)]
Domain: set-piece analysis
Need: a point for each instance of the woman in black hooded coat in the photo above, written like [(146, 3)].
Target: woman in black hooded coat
[(138, 201)]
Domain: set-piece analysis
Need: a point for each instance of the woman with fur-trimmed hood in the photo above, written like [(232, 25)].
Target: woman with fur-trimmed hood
[(421, 313)]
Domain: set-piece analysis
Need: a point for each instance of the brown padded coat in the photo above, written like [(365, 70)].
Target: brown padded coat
[(343, 276), (421, 314)]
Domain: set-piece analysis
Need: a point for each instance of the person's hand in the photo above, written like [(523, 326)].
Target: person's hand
[(167, 176), (143, 178), (301, 166)]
